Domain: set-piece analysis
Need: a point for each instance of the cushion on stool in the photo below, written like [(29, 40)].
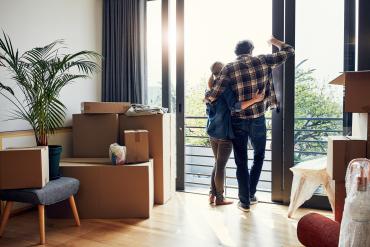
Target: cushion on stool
[(53, 192), (316, 230)]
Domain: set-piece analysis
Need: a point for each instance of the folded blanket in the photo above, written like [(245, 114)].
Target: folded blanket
[(139, 110)]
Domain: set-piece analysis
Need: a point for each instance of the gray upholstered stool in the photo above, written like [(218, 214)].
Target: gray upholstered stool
[(53, 192)]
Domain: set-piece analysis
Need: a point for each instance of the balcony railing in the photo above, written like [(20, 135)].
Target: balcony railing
[(310, 141)]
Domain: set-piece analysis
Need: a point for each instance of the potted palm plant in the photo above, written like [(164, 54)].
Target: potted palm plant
[(39, 75)]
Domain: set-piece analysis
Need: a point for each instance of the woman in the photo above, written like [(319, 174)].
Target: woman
[(220, 132)]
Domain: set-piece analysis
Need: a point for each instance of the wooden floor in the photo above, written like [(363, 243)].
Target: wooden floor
[(186, 220)]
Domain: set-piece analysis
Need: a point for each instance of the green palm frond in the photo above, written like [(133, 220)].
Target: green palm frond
[(40, 74), (6, 88)]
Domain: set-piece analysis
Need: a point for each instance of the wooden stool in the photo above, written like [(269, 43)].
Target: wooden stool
[(55, 191)]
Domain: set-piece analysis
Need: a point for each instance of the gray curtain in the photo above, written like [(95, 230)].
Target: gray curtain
[(124, 51)]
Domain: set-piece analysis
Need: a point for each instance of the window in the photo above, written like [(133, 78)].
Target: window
[(319, 59), (154, 52)]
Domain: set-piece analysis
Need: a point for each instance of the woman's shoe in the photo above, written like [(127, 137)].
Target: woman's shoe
[(223, 201), (211, 198)]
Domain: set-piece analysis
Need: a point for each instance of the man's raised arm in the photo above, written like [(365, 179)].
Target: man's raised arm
[(277, 58)]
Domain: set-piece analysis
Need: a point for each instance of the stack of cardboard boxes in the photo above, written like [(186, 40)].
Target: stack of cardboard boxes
[(161, 149), (341, 149), (116, 191)]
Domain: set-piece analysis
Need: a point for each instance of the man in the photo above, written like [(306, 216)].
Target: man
[(249, 75)]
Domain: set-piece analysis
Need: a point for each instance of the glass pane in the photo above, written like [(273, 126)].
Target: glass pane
[(319, 59), (172, 53), (154, 52), (212, 29)]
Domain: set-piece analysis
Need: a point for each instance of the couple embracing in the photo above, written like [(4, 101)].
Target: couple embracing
[(239, 95)]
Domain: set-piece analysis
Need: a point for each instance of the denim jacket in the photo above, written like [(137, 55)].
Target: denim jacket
[(219, 115)]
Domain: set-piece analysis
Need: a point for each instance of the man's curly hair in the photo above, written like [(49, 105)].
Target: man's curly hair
[(244, 47)]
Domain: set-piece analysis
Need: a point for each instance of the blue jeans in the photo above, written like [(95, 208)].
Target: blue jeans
[(255, 129)]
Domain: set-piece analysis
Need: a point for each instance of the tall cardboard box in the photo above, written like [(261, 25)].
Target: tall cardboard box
[(356, 90), (341, 150), (93, 134), (24, 168), (137, 146), (104, 107), (159, 128), (109, 192)]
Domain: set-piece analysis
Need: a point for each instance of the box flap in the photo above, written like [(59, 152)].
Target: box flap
[(342, 78)]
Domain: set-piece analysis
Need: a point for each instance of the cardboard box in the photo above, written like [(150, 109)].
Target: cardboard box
[(160, 149), (109, 192), (104, 107), (137, 145), (341, 150), (356, 92), (93, 134), (24, 168), (340, 196)]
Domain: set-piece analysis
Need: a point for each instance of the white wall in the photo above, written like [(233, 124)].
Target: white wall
[(38, 22)]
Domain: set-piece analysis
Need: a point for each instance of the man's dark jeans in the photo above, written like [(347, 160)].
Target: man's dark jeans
[(255, 129)]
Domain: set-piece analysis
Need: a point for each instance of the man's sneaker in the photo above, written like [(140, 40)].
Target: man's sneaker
[(243, 207), (253, 200)]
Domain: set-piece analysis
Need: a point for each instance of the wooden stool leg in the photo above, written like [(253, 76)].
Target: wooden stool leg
[(5, 217), (74, 210), (42, 223)]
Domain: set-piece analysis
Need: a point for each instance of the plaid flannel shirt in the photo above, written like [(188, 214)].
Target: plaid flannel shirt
[(248, 75)]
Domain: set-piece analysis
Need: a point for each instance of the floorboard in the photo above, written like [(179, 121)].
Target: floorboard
[(186, 220)]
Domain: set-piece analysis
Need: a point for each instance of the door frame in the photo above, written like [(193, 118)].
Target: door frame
[(277, 160), (166, 82), (180, 92), (283, 27)]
